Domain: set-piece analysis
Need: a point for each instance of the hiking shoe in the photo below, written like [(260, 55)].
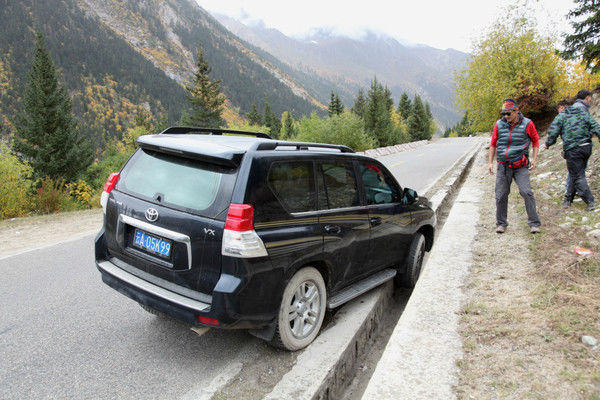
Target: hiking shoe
[(500, 229), (591, 206), (535, 229), (565, 203)]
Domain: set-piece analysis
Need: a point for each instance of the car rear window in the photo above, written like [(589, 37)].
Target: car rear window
[(184, 183)]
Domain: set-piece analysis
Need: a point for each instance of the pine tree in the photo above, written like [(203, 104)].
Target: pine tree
[(404, 106), (585, 41), (254, 118), (46, 131), (360, 104), (271, 121), (335, 105), (205, 97), (378, 119), (418, 123), (288, 130)]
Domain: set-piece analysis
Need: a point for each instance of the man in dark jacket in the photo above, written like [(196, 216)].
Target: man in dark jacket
[(576, 127), (512, 135)]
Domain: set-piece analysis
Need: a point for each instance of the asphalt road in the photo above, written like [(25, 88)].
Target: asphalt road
[(64, 334)]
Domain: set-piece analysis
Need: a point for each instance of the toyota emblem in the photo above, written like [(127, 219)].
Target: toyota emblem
[(151, 214)]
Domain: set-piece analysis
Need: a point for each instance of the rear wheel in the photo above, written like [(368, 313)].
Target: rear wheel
[(302, 310), (414, 262)]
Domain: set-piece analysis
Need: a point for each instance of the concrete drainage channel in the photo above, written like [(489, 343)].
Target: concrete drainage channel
[(325, 369)]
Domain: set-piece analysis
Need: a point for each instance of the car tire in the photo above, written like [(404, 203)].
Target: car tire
[(414, 262), (302, 310)]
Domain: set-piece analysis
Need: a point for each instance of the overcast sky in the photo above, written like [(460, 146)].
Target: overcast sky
[(438, 23)]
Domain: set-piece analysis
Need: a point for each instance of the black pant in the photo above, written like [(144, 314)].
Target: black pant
[(577, 159)]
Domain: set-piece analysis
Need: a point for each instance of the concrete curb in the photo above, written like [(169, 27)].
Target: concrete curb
[(326, 375), (420, 359)]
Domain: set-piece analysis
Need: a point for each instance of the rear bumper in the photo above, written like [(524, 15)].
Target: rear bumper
[(178, 306)]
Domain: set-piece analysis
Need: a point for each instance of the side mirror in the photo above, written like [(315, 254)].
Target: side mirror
[(409, 196)]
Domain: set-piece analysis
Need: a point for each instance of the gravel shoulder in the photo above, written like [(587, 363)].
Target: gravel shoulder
[(19, 235), (530, 299)]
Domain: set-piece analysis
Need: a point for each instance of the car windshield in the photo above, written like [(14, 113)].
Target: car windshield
[(176, 181)]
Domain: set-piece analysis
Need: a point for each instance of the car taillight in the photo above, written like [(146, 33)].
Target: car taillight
[(111, 182), (208, 321), (239, 237), (108, 187)]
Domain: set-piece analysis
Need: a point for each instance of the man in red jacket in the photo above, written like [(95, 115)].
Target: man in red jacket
[(512, 135)]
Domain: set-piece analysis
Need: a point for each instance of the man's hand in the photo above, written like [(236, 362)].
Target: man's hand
[(532, 165), (491, 168)]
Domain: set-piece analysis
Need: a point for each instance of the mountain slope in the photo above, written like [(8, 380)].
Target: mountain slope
[(351, 63), (90, 59), (168, 32)]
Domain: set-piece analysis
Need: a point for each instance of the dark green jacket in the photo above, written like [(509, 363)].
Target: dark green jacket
[(575, 126)]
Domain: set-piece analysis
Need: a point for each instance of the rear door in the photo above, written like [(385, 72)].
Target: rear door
[(165, 219), (344, 220)]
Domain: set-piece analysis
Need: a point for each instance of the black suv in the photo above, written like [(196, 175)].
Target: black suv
[(221, 229)]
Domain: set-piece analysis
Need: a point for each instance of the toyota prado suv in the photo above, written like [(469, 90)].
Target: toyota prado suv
[(235, 230)]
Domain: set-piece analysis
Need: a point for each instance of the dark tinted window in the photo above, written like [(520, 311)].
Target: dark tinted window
[(179, 182), (293, 184), (338, 184), (379, 189)]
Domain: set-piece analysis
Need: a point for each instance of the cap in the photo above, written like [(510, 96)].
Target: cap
[(509, 105)]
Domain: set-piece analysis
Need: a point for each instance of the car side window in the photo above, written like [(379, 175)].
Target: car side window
[(293, 184), (337, 185), (378, 187)]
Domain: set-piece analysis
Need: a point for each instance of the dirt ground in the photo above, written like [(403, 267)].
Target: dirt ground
[(530, 298), (22, 234)]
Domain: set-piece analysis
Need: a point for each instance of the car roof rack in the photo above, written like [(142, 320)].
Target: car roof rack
[(179, 130), (302, 146)]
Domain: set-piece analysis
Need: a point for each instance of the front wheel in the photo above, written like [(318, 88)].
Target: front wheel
[(302, 310), (414, 262)]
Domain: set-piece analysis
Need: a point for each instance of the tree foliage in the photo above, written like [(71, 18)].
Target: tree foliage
[(205, 97), (254, 117), (335, 105), (347, 129), (288, 129), (585, 41), (404, 106), (512, 60), (14, 185), (419, 123), (46, 132), (360, 104)]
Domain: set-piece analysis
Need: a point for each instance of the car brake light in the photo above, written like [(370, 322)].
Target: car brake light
[(108, 187), (208, 321), (239, 237), (111, 182)]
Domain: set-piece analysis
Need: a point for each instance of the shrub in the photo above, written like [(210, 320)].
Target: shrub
[(52, 196), (347, 129), (15, 184), (82, 192)]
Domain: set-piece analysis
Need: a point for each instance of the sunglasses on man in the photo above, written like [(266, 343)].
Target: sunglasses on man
[(505, 113)]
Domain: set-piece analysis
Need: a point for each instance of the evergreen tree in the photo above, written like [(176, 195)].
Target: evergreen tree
[(288, 130), (585, 41), (46, 131), (335, 105), (378, 120), (418, 122), (360, 104), (404, 106), (205, 97), (271, 121), (254, 118)]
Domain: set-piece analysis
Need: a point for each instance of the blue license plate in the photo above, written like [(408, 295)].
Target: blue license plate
[(151, 243)]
